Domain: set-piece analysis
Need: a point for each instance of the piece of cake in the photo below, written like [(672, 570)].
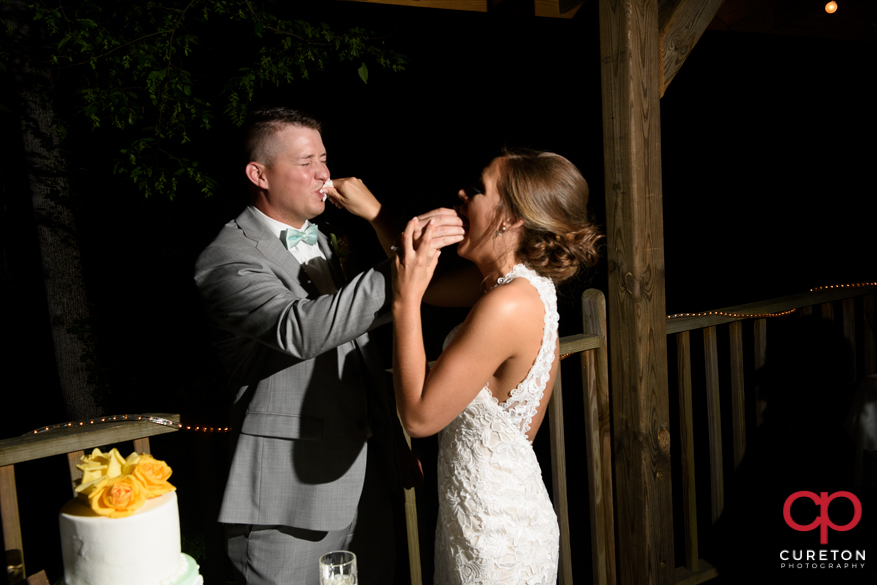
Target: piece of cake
[(325, 186)]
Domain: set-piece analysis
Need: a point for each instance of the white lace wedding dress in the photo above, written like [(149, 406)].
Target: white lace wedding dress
[(496, 524)]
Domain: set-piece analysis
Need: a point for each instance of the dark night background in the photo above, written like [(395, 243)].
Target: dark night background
[(768, 153)]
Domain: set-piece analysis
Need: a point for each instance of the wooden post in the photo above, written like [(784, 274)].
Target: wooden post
[(631, 87), (686, 436), (11, 525), (759, 351), (738, 392), (595, 379), (848, 309), (73, 459), (714, 423), (414, 566), (558, 479), (870, 325)]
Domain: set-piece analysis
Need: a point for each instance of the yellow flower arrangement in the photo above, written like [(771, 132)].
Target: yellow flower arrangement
[(117, 487)]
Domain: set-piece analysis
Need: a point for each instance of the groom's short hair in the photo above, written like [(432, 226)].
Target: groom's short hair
[(264, 123)]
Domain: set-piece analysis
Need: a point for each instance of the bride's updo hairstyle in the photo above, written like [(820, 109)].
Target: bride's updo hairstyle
[(549, 194)]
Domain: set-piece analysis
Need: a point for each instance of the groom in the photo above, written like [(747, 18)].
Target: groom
[(312, 466)]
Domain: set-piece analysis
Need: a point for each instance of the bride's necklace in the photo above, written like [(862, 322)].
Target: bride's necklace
[(508, 276)]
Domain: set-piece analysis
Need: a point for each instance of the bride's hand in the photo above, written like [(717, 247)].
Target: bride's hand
[(351, 194), (447, 226), (413, 267)]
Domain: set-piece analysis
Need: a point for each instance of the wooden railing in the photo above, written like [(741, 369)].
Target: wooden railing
[(73, 442), (696, 569), (592, 347)]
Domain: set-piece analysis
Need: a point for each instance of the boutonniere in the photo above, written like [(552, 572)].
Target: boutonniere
[(341, 247)]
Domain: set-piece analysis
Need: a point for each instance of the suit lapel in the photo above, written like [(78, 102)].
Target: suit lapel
[(273, 249)]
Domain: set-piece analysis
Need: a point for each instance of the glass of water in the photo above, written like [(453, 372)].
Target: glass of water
[(338, 568)]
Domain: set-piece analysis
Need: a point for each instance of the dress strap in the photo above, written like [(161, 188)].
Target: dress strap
[(524, 400)]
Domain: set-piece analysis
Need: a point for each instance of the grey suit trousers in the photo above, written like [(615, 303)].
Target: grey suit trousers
[(283, 555)]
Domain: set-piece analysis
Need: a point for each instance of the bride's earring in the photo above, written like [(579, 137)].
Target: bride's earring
[(500, 231)]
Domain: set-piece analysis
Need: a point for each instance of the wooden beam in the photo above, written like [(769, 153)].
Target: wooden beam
[(471, 5), (630, 73), (85, 437), (682, 24), (555, 8)]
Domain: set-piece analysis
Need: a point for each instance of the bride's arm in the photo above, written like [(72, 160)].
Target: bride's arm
[(430, 399)]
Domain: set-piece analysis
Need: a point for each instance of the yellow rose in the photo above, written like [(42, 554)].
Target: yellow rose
[(118, 497), (115, 461), (153, 474), (97, 466), (92, 466), (130, 462)]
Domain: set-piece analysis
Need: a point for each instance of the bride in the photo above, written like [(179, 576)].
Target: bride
[(525, 228)]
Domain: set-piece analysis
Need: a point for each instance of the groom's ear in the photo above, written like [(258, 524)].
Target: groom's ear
[(256, 174)]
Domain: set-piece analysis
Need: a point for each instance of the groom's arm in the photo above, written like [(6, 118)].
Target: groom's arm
[(351, 194), (244, 295)]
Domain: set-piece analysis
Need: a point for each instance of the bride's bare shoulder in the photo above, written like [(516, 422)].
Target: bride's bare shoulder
[(518, 300)]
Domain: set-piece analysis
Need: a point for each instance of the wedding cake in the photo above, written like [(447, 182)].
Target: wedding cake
[(124, 525)]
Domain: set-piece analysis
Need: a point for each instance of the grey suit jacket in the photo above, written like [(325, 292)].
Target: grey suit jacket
[(301, 368)]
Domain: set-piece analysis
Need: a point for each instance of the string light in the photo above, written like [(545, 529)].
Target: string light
[(736, 315), (131, 418), (858, 284), (831, 7), (764, 315)]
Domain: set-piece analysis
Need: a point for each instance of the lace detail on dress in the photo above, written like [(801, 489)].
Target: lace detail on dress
[(524, 400), (496, 524)]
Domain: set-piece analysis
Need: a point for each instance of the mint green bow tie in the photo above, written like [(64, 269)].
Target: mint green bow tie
[(291, 237)]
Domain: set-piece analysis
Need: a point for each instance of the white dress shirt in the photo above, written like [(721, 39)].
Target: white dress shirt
[(309, 256)]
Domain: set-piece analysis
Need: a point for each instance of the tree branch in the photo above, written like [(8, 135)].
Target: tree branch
[(161, 32)]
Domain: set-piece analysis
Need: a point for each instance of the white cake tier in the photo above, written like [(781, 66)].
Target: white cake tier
[(142, 549)]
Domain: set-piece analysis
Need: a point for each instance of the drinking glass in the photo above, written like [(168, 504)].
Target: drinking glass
[(338, 568)]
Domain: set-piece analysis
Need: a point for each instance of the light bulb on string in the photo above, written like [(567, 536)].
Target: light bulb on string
[(831, 7)]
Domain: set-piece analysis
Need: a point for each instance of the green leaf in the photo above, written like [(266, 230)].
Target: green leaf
[(363, 73)]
